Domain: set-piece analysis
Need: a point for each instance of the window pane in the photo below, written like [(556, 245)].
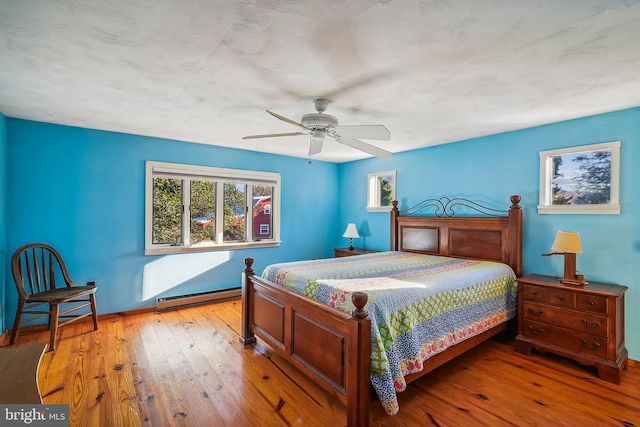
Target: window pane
[(203, 208), (235, 203), (386, 190), (582, 178), (167, 210), (262, 219)]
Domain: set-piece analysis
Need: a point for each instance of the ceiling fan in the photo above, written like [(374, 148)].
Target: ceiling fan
[(320, 125)]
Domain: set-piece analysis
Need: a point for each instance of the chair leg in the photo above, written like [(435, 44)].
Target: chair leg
[(16, 322), (53, 325), (94, 311)]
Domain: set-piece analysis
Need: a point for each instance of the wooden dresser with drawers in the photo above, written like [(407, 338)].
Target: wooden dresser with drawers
[(584, 323)]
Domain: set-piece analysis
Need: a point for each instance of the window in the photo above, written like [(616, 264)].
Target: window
[(198, 208), (381, 191), (580, 180)]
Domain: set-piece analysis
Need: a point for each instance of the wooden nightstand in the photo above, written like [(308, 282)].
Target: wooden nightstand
[(339, 252), (584, 323)]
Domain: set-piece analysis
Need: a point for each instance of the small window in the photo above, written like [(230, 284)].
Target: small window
[(196, 208), (580, 180), (381, 191)]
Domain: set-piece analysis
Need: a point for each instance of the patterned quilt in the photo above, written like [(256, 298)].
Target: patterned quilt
[(419, 305)]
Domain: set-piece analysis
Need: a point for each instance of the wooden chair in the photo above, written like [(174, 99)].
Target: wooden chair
[(42, 278)]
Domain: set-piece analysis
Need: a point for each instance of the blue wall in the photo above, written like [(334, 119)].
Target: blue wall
[(494, 167), (3, 216), (82, 191)]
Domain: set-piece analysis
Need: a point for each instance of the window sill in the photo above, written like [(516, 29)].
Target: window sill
[(579, 209), (209, 248), (379, 208)]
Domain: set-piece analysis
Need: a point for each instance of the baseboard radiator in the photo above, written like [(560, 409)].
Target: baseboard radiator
[(166, 303)]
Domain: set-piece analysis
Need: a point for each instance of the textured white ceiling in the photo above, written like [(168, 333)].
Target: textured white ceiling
[(431, 71)]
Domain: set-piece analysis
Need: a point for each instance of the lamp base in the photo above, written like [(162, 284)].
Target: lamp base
[(351, 244), (571, 276), (573, 282), (577, 281)]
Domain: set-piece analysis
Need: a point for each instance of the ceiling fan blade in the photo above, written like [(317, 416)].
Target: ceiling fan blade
[(363, 146), (284, 119), (364, 132), (273, 135)]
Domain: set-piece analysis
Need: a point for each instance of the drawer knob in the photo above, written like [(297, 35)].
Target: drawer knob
[(560, 297), (591, 302), (539, 331), (535, 312), (595, 345), (534, 292), (593, 325)]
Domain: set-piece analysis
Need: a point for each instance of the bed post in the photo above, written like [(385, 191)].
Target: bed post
[(246, 335), (515, 235), (393, 230), (358, 383)]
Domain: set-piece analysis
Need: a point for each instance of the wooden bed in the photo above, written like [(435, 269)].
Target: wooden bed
[(291, 323)]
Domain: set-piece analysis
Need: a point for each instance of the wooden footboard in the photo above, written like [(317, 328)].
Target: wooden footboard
[(333, 347), (330, 346)]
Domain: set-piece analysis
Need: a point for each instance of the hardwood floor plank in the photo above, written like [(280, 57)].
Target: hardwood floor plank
[(153, 396), (487, 396), (169, 368), (116, 395), (275, 390), (209, 379), (187, 368), (555, 386)]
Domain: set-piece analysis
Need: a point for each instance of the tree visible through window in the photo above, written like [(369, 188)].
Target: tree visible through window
[(386, 190), (167, 210), (203, 211), (582, 179), (235, 208)]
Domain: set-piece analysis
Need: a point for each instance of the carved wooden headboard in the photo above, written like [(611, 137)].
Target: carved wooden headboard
[(494, 235)]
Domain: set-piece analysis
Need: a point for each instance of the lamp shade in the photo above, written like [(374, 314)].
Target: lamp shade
[(567, 241), (351, 231)]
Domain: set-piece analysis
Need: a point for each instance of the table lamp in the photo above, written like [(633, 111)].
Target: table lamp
[(567, 243), (352, 233)]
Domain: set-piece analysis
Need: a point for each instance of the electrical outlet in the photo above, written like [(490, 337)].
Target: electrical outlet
[(91, 283)]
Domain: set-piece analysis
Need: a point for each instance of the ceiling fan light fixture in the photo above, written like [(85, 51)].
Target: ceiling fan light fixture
[(317, 136), (317, 139)]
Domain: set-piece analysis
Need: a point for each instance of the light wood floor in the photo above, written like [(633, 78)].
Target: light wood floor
[(186, 368)]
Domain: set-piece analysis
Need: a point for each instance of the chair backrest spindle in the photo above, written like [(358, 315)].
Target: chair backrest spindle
[(52, 272), (30, 274), (40, 269)]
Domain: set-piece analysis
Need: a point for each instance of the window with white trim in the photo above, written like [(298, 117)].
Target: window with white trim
[(200, 208), (381, 191), (580, 180)]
